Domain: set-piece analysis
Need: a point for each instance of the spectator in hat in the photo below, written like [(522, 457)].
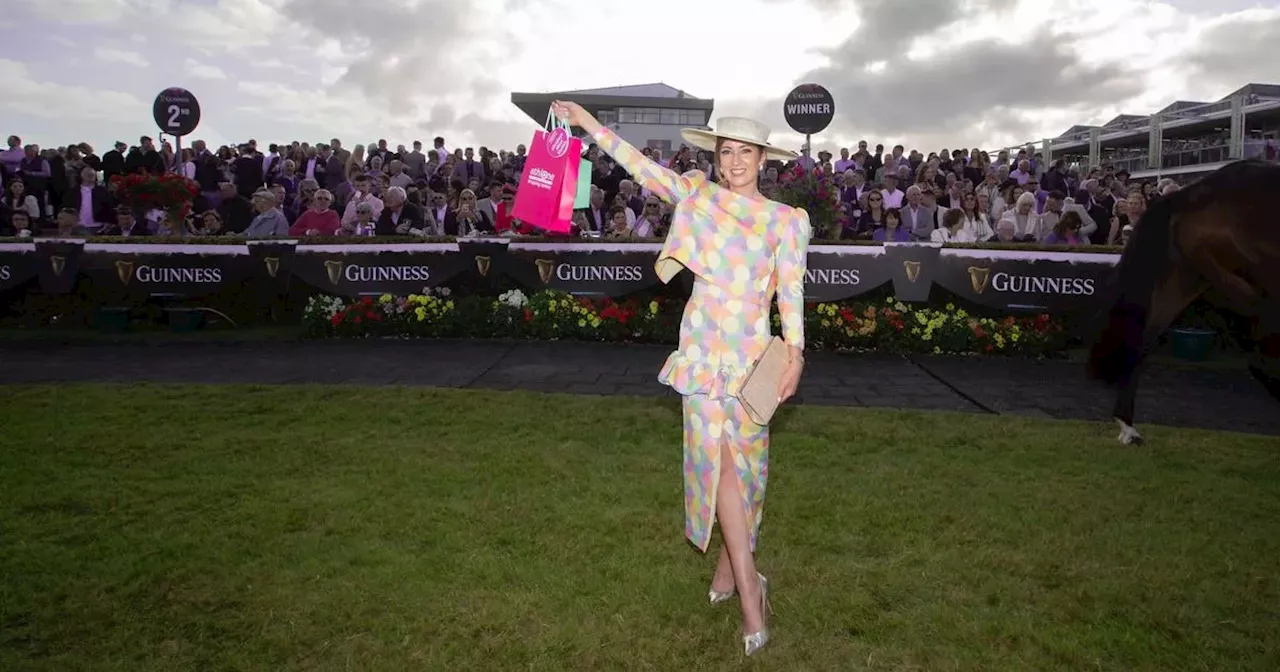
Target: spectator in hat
[(270, 221)]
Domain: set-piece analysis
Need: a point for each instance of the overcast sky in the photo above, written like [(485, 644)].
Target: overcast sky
[(924, 73)]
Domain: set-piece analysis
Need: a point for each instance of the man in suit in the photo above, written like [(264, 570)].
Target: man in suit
[(917, 219), (113, 161), (125, 224), (596, 214), (491, 202), (415, 162), (248, 171), (91, 201), (334, 169), (469, 169), (400, 217)]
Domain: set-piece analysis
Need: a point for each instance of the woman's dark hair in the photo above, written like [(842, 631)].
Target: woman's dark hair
[(952, 217), (895, 213), (617, 210), (1070, 220)]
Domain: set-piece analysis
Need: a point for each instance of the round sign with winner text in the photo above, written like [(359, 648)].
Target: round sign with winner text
[(809, 109), (176, 111)]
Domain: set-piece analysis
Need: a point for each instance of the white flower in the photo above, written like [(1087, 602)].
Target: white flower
[(514, 298)]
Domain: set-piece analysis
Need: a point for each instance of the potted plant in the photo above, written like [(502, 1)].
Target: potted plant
[(169, 192), (1194, 335)]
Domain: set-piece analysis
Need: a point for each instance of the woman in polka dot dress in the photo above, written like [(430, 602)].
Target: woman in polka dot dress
[(741, 248)]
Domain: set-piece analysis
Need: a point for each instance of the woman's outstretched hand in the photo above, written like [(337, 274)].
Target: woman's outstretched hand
[(573, 114)]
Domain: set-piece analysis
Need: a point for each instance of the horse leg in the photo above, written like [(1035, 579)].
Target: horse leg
[(1265, 364), (1167, 303)]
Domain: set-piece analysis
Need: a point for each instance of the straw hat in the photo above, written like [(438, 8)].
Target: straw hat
[(740, 129)]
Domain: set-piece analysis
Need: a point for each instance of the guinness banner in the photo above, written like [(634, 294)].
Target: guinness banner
[(58, 265), (272, 267), (1003, 279), (602, 269), (838, 272), (357, 270), (17, 264), (1044, 280), (205, 270)]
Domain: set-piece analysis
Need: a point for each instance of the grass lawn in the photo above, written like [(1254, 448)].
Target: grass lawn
[(149, 527)]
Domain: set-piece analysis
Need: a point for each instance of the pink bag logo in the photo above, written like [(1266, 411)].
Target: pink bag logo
[(558, 143)]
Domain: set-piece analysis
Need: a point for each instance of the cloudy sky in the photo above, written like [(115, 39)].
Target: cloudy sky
[(925, 73)]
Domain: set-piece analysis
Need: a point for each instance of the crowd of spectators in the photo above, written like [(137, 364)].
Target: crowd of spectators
[(298, 189)]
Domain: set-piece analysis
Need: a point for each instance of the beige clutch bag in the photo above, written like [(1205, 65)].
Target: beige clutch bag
[(759, 392)]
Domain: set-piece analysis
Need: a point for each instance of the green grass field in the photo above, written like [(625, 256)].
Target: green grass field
[(170, 528)]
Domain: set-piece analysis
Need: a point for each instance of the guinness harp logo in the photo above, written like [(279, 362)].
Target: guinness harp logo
[(913, 270), (273, 265), (124, 271), (978, 278), (58, 263), (482, 265), (334, 269), (545, 267)]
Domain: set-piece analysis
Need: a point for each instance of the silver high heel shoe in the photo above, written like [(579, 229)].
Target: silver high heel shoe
[(717, 597), (755, 641)]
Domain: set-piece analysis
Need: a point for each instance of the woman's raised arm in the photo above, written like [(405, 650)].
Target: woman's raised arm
[(663, 182)]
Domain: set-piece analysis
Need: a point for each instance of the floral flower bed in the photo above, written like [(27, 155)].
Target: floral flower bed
[(549, 315)]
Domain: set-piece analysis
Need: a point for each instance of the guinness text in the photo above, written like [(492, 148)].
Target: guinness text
[(1032, 284), (574, 273), (387, 273), (832, 276), (166, 274)]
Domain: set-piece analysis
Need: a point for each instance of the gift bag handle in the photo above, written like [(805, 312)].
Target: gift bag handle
[(554, 122)]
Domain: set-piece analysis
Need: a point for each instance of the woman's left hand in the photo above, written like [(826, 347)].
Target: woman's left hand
[(790, 380)]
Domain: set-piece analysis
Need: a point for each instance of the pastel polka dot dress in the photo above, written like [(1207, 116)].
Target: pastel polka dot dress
[(742, 251)]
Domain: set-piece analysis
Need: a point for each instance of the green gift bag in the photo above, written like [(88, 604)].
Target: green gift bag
[(583, 197)]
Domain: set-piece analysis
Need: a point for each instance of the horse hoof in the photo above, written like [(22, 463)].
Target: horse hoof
[(1129, 436)]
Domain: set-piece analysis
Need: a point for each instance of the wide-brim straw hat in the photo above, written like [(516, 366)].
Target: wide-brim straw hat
[(740, 129)]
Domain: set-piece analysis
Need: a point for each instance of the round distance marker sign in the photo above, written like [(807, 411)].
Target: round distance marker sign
[(809, 109), (176, 111)]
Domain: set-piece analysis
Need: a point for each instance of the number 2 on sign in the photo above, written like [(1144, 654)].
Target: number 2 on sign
[(174, 111)]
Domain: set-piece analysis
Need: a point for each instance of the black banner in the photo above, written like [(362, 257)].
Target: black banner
[(58, 265), (601, 273), (912, 267), (836, 272), (178, 274), (1055, 282), (17, 266), (357, 272), (1002, 279), (272, 267)]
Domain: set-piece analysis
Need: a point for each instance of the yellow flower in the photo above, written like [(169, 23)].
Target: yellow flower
[(551, 307), (951, 307), (385, 298), (653, 307), (449, 304), (937, 350), (582, 323), (421, 313), (595, 321), (825, 323)]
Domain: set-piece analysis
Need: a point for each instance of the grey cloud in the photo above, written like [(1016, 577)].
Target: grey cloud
[(960, 94), (1234, 53), (405, 51)]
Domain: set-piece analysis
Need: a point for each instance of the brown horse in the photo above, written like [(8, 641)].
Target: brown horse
[(1218, 238)]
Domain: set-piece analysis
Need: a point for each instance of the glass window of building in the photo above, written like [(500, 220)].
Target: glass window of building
[(693, 117), (670, 117), (608, 116)]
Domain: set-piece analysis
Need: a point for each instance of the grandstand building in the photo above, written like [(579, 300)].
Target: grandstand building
[(645, 115), (1183, 140)]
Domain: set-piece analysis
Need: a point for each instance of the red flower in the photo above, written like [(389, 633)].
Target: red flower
[(336, 319), (357, 320), (528, 315)]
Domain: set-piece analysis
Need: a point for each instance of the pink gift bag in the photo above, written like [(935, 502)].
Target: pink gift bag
[(550, 179)]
